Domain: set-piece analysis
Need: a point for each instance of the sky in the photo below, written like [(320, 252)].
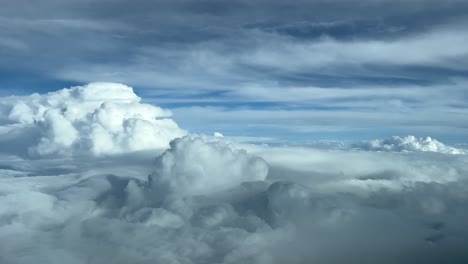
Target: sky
[(257, 132), (295, 71)]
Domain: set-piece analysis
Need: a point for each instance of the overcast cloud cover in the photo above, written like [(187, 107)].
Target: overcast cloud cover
[(233, 131)]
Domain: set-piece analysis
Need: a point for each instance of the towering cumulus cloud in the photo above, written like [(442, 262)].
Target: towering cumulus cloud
[(101, 118), (193, 166)]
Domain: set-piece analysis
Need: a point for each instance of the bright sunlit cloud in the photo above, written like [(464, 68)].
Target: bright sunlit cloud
[(212, 199)]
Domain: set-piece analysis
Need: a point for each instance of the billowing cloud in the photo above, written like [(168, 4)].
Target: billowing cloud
[(194, 166), (98, 118), (205, 199), (122, 219), (408, 144), (218, 135)]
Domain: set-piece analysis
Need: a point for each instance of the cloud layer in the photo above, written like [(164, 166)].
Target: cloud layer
[(205, 199)]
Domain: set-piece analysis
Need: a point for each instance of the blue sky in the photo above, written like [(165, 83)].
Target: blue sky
[(298, 71)]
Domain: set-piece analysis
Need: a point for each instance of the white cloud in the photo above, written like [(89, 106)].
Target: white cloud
[(218, 135), (217, 216), (99, 118), (408, 144), (165, 211), (421, 49), (194, 166), (210, 201)]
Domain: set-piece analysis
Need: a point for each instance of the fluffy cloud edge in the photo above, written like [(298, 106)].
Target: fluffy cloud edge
[(97, 119), (409, 144)]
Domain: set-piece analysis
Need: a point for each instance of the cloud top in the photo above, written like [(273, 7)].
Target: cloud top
[(409, 144), (194, 166), (98, 118)]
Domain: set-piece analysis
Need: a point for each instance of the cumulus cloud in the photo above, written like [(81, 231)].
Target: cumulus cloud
[(207, 200), (408, 144), (194, 166), (218, 135), (246, 219), (173, 212), (98, 118)]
